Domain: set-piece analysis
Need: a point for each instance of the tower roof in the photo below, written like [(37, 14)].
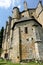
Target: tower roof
[(40, 2), (15, 7), (24, 19)]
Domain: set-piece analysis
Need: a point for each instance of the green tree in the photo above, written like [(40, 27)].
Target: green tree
[(1, 39)]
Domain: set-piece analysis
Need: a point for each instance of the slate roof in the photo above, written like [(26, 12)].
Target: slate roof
[(24, 19)]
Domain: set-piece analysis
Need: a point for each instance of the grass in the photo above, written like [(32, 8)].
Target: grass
[(33, 63), (4, 62)]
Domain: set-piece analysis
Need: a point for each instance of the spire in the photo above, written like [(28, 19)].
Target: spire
[(40, 1), (25, 5)]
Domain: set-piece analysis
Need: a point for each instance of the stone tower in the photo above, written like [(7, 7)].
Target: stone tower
[(24, 35), (15, 15), (15, 12)]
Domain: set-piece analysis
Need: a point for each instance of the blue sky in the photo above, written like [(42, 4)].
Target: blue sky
[(6, 7)]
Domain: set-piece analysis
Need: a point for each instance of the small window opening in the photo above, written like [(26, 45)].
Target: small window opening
[(26, 30), (6, 55), (27, 39), (32, 38)]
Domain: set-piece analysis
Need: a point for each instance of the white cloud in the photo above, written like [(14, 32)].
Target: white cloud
[(5, 3), (19, 6), (8, 3)]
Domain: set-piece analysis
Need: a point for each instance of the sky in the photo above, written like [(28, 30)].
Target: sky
[(6, 7)]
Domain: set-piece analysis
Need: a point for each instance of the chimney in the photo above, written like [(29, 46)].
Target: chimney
[(25, 5)]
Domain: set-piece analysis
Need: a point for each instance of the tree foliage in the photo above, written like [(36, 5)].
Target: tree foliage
[(1, 36)]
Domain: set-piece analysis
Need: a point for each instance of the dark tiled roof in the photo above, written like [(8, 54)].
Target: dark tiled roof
[(15, 7), (28, 10), (24, 19)]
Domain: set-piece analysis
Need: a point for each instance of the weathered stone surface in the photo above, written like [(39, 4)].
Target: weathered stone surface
[(23, 35)]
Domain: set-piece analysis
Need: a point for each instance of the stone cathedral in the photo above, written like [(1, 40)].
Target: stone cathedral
[(23, 34)]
